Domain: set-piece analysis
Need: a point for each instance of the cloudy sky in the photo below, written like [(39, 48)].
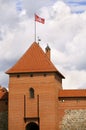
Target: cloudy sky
[(64, 31)]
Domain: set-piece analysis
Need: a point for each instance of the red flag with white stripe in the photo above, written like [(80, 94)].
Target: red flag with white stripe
[(39, 19)]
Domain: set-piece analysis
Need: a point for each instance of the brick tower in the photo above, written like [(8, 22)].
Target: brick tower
[(34, 83)]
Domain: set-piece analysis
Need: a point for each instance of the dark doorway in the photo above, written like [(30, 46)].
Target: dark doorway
[(32, 126)]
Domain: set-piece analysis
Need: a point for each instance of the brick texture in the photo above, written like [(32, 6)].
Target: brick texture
[(68, 104), (35, 70), (46, 87)]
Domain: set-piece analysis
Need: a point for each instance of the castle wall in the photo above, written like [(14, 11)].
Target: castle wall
[(21, 106), (69, 104)]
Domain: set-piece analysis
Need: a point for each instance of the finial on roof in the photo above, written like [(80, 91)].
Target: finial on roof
[(47, 50), (38, 39)]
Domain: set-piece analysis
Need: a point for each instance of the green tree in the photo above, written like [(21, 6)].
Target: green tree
[(4, 120)]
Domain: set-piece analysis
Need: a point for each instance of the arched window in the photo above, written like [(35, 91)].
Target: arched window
[(31, 91)]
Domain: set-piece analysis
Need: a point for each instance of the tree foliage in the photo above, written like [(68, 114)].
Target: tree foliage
[(3, 120)]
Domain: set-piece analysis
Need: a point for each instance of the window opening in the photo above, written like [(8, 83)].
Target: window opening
[(31, 90)]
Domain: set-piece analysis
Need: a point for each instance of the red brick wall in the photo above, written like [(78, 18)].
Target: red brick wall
[(51, 109), (70, 104), (46, 86)]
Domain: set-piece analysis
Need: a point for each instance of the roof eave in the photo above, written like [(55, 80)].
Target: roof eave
[(81, 96), (16, 72)]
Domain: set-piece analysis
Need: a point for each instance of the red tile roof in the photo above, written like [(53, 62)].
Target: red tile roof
[(34, 60), (3, 94), (72, 93)]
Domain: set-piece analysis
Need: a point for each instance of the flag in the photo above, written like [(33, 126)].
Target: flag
[(39, 19)]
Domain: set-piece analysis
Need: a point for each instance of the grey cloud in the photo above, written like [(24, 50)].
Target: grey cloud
[(63, 31), (33, 6), (10, 16), (1, 35), (81, 65), (6, 15), (5, 64), (4, 79), (75, 66)]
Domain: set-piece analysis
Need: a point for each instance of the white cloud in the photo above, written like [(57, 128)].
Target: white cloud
[(75, 80), (65, 32), (68, 41)]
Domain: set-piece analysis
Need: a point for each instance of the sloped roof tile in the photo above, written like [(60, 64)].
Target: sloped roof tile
[(72, 93), (3, 94), (34, 60)]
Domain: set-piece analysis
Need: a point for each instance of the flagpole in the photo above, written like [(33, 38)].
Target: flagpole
[(35, 29), (40, 20)]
